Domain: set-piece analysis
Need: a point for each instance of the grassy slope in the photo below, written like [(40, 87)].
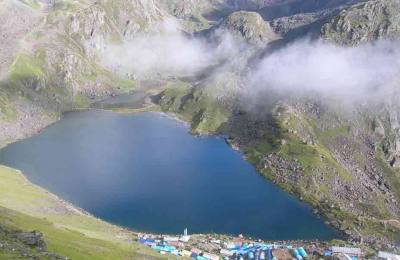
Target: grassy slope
[(206, 115), (67, 231), (26, 207)]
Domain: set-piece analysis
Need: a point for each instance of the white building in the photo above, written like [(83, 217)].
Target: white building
[(388, 256), (351, 251), (171, 239)]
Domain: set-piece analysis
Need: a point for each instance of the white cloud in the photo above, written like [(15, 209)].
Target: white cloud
[(357, 74)]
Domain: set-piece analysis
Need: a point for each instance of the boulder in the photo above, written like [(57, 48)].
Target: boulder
[(32, 239)]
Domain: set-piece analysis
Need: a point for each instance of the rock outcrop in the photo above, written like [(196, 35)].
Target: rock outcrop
[(25, 245), (373, 20), (249, 27)]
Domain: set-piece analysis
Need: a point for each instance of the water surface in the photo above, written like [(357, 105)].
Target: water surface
[(145, 171)]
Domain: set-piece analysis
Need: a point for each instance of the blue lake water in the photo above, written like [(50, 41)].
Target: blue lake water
[(147, 172)]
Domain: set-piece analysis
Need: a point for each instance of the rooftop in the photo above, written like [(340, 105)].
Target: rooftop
[(346, 250)]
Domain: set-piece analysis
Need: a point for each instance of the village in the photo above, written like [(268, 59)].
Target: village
[(218, 247)]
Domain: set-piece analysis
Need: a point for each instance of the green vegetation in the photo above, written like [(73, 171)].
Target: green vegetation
[(31, 3), (334, 132), (29, 78), (26, 69), (7, 112), (66, 5), (293, 137), (66, 230), (57, 74), (392, 175), (195, 106)]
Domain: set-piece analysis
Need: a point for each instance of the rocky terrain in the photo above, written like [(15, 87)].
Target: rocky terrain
[(365, 22), (29, 245), (16, 22), (249, 26), (53, 65), (344, 161)]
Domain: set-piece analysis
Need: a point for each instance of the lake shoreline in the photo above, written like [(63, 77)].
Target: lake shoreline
[(148, 108), (87, 114), (129, 236)]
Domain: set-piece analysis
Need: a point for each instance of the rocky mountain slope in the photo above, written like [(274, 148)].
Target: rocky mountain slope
[(56, 64), (341, 160), (365, 22), (49, 64), (249, 26)]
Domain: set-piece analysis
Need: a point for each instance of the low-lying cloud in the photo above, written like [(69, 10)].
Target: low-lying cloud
[(349, 73), (170, 52)]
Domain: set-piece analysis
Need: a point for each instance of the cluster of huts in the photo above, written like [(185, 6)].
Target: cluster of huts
[(215, 249)]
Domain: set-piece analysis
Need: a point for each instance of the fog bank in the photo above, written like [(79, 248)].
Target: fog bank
[(170, 52), (347, 74), (367, 72)]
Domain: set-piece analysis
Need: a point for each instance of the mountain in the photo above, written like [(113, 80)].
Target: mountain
[(342, 159), (56, 64)]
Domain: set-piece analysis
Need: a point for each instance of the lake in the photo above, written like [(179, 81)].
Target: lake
[(145, 171)]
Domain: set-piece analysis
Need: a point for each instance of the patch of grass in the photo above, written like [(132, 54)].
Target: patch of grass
[(66, 230), (31, 3), (310, 156), (391, 175), (81, 101), (9, 255), (172, 98), (29, 79), (66, 5), (333, 132), (7, 111), (375, 227), (306, 154), (377, 208), (123, 85), (203, 112), (71, 243), (265, 147), (26, 67)]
